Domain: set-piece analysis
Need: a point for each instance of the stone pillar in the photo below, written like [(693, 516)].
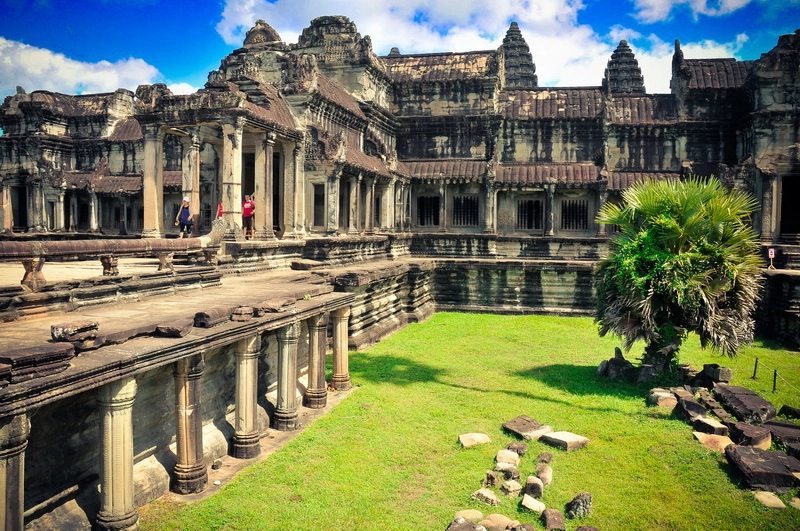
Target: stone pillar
[(153, 182), (286, 408), (443, 207), (263, 192), (341, 370), (35, 214), (190, 176), (73, 213), (14, 433), (6, 208), (246, 437), (191, 474), (232, 177), (333, 205), (294, 168), (549, 209), (352, 227), (115, 401), (490, 209), (60, 226), (388, 212), (316, 396), (370, 207), (768, 198), (123, 212), (602, 199), (94, 212)]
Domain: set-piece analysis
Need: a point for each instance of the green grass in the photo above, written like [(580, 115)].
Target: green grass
[(388, 456)]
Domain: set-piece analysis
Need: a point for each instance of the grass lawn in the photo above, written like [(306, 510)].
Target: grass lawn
[(388, 456)]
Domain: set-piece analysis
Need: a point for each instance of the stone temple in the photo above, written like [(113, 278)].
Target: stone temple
[(386, 188)]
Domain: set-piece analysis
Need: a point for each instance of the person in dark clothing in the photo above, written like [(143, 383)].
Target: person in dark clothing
[(184, 219)]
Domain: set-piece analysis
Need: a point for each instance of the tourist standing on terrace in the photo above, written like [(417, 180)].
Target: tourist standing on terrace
[(248, 207), (184, 219)]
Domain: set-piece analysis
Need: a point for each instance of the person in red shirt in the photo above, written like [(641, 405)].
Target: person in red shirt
[(248, 207)]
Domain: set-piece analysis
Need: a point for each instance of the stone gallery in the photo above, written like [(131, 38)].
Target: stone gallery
[(330, 139), (385, 188)]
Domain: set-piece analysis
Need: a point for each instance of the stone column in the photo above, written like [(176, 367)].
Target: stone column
[(768, 197), (60, 226), (246, 437), (14, 431), (73, 213), (286, 408), (293, 167), (123, 211), (549, 209), (263, 192), (388, 212), (490, 209), (153, 182), (191, 474), (316, 396), (352, 227), (232, 177), (341, 370), (115, 401), (443, 207), (94, 212), (602, 199), (190, 176), (333, 205), (35, 214), (369, 207)]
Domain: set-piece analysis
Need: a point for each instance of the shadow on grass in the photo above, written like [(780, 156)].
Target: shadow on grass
[(582, 380), (393, 369)]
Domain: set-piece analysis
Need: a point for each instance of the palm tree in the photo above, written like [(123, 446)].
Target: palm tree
[(685, 260)]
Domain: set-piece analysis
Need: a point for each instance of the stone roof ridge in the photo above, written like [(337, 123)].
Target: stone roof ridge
[(623, 75), (336, 94), (261, 35), (518, 66)]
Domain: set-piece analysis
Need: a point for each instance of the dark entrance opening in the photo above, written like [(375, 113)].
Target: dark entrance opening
[(790, 214)]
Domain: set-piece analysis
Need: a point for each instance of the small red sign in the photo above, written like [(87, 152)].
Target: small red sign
[(772, 253)]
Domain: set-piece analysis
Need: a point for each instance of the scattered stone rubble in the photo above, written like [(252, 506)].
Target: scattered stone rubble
[(505, 479), (742, 425)]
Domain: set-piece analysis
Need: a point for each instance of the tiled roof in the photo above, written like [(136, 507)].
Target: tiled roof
[(570, 175), (458, 169), (621, 180), (441, 66), (651, 108), (126, 130), (358, 159), (333, 92), (104, 184), (554, 103), (716, 73), (274, 109), (173, 178)]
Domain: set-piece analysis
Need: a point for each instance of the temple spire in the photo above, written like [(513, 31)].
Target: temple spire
[(519, 69), (623, 75)]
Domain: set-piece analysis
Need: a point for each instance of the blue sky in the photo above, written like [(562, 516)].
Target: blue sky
[(100, 45)]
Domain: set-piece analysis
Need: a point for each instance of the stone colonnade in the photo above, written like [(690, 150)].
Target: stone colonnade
[(363, 194), (115, 404)]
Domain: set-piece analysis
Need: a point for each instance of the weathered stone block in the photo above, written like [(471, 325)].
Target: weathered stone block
[(69, 331), (662, 397), (783, 431), (519, 447), (764, 469), (468, 440), (486, 496), (705, 424), (511, 488), (580, 506), (532, 504), (212, 317), (553, 520), (179, 329), (769, 499), (717, 373), (545, 473), (534, 487), (565, 440), (527, 428), (745, 434), (715, 443), (507, 456), (745, 404)]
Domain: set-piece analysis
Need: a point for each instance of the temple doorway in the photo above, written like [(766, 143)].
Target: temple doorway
[(790, 213)]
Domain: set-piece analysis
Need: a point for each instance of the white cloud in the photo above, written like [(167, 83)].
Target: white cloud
[(40, 69), (182, 88), (650, 11)]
